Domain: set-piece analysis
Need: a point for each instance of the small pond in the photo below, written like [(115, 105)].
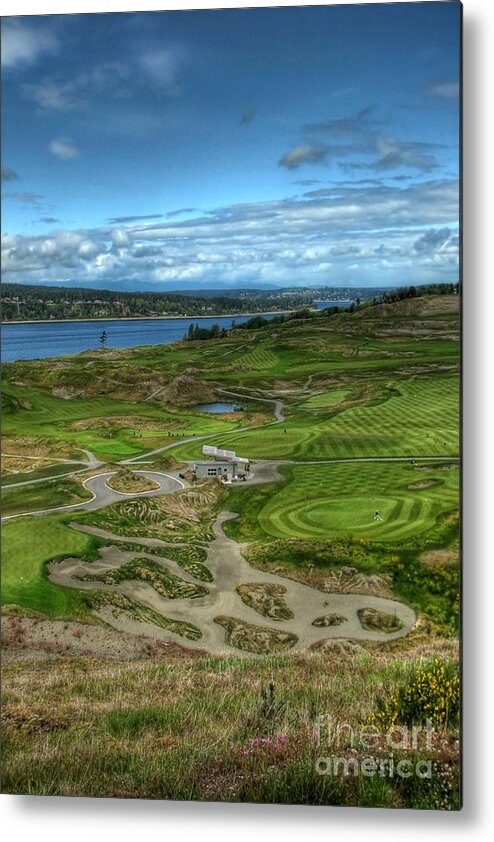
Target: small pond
[(219, 407)]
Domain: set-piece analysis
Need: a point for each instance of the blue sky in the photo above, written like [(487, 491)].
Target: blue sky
[(288, 146)]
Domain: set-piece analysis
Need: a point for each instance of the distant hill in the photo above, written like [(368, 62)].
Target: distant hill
[(33, 302), (22, 302)]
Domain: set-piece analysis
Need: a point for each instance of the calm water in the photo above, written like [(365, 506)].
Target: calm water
[(217, 407), (53, 339)]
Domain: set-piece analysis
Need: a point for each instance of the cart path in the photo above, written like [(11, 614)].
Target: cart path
[(103, 495), (266, 470), (230, 568)]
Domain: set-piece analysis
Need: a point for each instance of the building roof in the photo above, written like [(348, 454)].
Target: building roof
[(227, 455)]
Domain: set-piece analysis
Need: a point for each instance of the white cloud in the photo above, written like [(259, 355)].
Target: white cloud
[(23, 43), (392, 234), (52, 96), (63, 148), (121, 238)]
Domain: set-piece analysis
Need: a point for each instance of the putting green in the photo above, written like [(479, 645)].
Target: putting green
[(320, 502)]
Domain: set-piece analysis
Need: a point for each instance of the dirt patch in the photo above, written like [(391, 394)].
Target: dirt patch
[(428, 305), (186, 390), (119, 607), (18, 464), (26, 638), (67, 393), (35, 446), (126, 422), (350, 580), (338, 646), (441, 558)]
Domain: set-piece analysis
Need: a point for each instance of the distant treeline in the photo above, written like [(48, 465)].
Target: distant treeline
[(259, 321), (412, 292), (30, 302), (23, 302)]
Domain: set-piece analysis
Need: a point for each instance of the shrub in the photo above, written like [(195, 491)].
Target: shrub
[(431, 693)]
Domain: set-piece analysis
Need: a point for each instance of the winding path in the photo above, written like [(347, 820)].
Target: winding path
[(103, 495), (278, 413), (229, 568)]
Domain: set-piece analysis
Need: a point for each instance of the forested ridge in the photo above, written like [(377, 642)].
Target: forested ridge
[(30, 302)]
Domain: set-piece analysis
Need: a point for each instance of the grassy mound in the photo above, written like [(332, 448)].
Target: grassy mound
[(257, 639), (266, 599), (49, 495), (329, 620), (373, 620), (129, 482), (123, 607)]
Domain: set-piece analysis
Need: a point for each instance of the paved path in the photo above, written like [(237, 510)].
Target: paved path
[(103, 495), (229, 568), (91, 463), (154, 394), (72, 473), (278, 412)]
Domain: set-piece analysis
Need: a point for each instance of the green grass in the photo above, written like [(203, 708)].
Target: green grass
[(49, 495), (40, 473), (420, 418), (186, 727), (322, 502), (325, 399), (321, 518), (55, 420), (27, 545), (417, 417)]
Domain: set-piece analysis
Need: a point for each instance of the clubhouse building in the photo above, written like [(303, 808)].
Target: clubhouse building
[(221, 463)]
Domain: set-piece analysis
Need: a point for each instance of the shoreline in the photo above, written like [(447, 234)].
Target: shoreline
[(147, 318)]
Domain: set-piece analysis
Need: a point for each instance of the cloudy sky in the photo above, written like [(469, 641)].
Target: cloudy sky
[(280, 146)]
